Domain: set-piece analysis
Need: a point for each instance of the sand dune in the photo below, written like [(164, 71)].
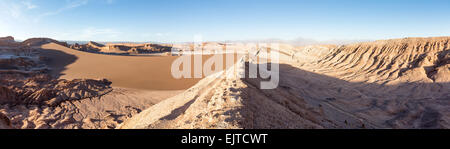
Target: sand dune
[(139, 82), (138, 72), (398, 83), (27, 99), (401, 83)]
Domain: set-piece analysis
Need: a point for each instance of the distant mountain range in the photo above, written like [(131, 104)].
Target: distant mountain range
[(296, 42)]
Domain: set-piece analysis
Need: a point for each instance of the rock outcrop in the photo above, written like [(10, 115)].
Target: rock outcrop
[(400, 83), (40, 41), (43, 90), (24, 79), (32, 99), (8, 42), (121, 48), (8, 39)]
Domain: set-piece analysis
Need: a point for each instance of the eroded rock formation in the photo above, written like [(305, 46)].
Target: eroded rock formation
[(401, 83), (121, 48), (43, 90)]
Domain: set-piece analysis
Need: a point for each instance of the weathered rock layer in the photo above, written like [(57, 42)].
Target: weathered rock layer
[(401, 83)]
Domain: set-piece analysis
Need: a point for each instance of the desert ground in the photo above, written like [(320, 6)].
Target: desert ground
[(396, 83)]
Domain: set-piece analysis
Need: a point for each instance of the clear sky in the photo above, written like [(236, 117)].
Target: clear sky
[(181, 20)]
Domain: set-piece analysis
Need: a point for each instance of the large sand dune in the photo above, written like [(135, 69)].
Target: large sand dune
[(401, 83), (29, 104), (138, 82), (138, 72)]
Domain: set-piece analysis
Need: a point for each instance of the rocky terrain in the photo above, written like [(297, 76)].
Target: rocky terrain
[(122, 49), (43, 90), (32, 97), (400, 83), (33, 42)]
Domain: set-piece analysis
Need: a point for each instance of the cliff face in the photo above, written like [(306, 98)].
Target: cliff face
[(25, 83), (409, 59), (404, 80), (401, 83), (7, 39)]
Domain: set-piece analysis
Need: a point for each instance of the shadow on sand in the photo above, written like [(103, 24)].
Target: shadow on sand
[(57, 60), (327, 101), (334, 103)]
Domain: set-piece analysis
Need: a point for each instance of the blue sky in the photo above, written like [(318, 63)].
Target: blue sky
[(214, 20)]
